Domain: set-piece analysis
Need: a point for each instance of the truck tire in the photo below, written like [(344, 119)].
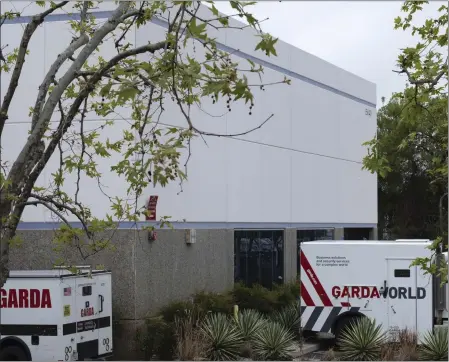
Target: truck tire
[(13, 353), (343, 323)]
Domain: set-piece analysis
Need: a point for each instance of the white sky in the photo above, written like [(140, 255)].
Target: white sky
[(357, 36)]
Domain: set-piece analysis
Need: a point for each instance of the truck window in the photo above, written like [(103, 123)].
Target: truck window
[(87, 290), (402, 273)]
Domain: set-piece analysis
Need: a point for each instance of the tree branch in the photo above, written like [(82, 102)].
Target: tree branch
[(49, 207), (62, 207), (432, 82), (18, 170), (51, 74), (23, 48)]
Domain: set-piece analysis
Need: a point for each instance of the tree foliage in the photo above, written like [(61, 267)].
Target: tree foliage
[(409, 153), (81, 83)]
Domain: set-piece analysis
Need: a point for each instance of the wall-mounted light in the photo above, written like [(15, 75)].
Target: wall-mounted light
[(190, 236), (152, 235)]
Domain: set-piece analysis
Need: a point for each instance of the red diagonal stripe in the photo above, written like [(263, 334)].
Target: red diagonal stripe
[(315, 281), (306, 296), (345, 304)]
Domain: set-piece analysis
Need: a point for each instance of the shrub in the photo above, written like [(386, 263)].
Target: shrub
[(157, 339), (288, 317), (388, 352), (402, 347), (222, 338), (361, 340), (189, 342), (408, 346), (434, 346), (256, 297), (273, 342), (213, 302), (287, 293), (180, 309)]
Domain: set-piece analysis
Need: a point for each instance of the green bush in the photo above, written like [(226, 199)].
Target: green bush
[(256, 297), (434, 346), (157, 339), (265, 300), (361, 340), (287, 293), (222, 337), (214, 302), (273, 342), (288, 317), (180, 309)]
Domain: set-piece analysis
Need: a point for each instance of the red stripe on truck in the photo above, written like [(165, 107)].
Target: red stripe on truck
[(306, 296), (315, 281), (345, 304)]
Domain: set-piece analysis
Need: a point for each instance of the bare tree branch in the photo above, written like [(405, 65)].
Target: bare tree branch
[(51, 74), (62, 207), (83, 148)]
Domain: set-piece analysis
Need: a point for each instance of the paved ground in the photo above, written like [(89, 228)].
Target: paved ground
[(313, 348)]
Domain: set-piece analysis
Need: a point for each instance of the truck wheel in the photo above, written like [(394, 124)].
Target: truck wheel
[(13, 353), (343, 323)]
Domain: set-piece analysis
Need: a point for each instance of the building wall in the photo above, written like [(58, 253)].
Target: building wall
[(145, 275), (301, 168)]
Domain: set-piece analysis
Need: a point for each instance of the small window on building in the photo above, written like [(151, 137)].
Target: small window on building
[(402, 273), (87, 290)]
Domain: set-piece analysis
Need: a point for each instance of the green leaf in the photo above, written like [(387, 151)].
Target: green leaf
[(106, 89), (127, 93)]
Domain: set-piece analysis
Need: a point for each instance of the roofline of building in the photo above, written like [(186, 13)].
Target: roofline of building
[(161, 22)]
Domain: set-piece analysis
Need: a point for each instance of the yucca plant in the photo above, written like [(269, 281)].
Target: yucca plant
[(249, 321), (288, 317), (361, 340), (434, 346), (273, 342), (222, 337)]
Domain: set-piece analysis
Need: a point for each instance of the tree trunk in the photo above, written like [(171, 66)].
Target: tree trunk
[(9, 219), (4, 244)]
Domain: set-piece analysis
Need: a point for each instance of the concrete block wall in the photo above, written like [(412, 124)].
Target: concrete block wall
[(146, 275)]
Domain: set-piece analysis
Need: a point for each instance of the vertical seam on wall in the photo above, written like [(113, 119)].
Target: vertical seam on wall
[(133, 263), (291, 146), (225, 40)]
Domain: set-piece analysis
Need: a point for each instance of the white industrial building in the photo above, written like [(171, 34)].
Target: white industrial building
[(302, 170)]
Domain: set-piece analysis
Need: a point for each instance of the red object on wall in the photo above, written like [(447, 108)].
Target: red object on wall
[(151, 207)]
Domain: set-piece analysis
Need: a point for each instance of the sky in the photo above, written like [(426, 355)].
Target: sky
[(358, 36)]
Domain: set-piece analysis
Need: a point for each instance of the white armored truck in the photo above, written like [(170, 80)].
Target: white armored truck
[(56, 315), (343, 280)]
